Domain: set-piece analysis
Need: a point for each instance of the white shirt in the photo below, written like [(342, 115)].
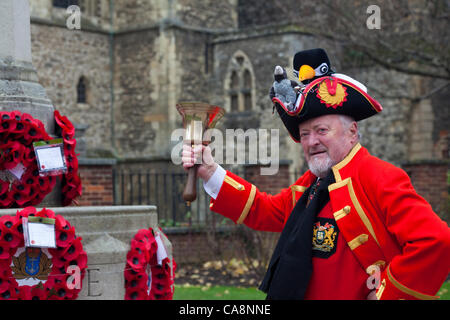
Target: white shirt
[(212, 187)]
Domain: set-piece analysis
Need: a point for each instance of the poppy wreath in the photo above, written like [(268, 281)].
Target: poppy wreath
[(59, 284), (18, 131), (71, 182), (140, 258)]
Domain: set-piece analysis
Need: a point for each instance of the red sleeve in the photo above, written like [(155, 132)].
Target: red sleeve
[(424, 263), (242, 202)]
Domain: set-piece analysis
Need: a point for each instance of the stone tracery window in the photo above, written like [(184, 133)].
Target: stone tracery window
[(239, 83)]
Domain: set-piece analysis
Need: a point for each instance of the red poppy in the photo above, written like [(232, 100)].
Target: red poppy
[(138, 281), (5, 274), (71, 252), (28, 211), (61, 223), (27, 118), (58, 263), (136, 260), (71, 189), (12, 238), (12, 154), (130, 274), (4, 186), (46, 213), (22, 188), (12, 292), (144, 235), (24, 293), (21, 127), (64, 123), (17, 227), (5, 249), (29, 179), (38, 197), (15, 114), (38, 293), (7, 124), (64, 237), (72, 162), (44, 182), (69, 145), (135, 294), (5, 200), (7, 221), (142, 248), (39, 125), (9, 234), (19, 197), (29, 157), (4, 115), (80, 261), (59, 291), (35, 132)]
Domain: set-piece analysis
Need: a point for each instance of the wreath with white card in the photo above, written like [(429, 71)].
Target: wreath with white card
[(35, 272), (22, 182), (148, 272)]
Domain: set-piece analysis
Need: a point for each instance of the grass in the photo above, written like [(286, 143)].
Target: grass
[(217, 293), (444, 292), (188, 292)]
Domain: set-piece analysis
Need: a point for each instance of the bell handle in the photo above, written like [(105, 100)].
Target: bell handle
[(190, 190)]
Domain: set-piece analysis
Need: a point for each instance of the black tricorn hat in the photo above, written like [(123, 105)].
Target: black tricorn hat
[(334, 94)]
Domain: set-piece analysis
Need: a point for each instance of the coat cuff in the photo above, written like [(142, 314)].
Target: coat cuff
[(392, 289), (235, 198)]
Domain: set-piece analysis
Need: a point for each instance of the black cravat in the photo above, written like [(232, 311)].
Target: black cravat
[(290, 267)]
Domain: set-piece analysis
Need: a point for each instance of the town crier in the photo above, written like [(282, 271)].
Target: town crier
[(352, 226)]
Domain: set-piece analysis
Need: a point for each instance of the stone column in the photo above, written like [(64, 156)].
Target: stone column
[(19, 86)]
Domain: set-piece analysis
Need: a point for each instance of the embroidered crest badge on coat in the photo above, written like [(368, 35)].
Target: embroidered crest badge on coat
[(325, 235)]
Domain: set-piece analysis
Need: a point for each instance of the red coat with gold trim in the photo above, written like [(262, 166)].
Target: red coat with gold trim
[(384, 221)]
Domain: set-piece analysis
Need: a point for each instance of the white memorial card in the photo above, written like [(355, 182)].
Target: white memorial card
[(39, 232), (50, 158), (161, 252)]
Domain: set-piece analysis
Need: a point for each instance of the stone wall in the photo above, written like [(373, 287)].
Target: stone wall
[(61, 57), (136, 82)]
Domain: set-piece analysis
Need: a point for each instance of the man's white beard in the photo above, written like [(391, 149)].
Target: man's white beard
[(320, 167)]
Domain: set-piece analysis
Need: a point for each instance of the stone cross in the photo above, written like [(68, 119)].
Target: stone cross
[(19, 86)]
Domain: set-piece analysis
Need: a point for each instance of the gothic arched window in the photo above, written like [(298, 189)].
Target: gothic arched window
[(82, 90), (239, 83)]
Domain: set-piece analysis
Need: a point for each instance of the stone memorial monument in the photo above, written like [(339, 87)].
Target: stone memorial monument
[(106, 231)]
